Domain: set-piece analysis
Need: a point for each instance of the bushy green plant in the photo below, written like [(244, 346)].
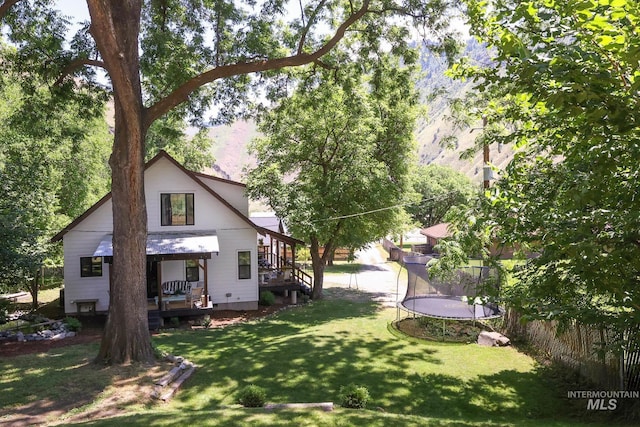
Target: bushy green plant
[(267, 298), (303, 254), (5, 306), (252, 396), (354, 396), (73, 324), (206, 321)]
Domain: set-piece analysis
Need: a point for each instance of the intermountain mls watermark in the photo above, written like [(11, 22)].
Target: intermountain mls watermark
[(603, 400)]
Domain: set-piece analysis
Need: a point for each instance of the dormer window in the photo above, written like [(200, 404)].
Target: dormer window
[(177, 208)]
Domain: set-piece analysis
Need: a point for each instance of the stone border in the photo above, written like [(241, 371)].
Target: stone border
[(56, 331)]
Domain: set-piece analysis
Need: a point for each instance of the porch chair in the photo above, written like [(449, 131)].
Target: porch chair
[(194, 297)]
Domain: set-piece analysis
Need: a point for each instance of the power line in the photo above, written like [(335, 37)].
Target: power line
[(431, 199)]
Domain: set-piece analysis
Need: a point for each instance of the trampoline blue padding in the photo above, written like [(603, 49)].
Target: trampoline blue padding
[(450, 307)]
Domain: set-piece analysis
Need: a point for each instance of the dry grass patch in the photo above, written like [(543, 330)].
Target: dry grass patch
[(73, 389)]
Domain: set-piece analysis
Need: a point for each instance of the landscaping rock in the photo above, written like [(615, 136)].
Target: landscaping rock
[(56, 331), (492, 339)]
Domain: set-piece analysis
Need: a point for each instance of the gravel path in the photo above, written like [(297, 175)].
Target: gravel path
[(376, 280)]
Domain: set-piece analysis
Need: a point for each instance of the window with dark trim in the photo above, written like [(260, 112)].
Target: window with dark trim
[(244, 264), (91, 266), (192, 270), (177, 209)]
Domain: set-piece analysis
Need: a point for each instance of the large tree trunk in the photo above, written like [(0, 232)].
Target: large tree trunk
[(318, 264), (115, 27)]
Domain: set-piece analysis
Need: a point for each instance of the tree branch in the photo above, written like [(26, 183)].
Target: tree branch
[(5, 6), (181, 94), (312, 19), (324, 65), (76, 64)]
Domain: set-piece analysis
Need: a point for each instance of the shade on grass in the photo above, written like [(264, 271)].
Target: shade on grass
[(307, 354)]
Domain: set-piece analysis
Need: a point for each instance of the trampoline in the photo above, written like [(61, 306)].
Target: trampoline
[(459, 296)]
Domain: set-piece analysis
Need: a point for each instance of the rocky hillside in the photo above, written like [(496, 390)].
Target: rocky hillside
[(230, 142)]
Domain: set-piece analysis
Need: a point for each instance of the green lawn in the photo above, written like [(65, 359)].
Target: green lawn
[(306, 354), (342, 267)]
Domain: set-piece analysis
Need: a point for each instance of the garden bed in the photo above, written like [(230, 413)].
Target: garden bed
[(441, 329)]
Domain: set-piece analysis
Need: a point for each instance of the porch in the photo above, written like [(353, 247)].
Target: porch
[(282, 276), (189, 253)]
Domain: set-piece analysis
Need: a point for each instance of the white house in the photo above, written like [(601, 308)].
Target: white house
[(199, 237)]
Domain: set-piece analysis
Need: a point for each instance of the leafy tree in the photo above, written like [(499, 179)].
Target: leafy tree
[(334, 162), (566, 85), (52, 167), (180, 56), (440, 188), (26, 215), (169, 134)]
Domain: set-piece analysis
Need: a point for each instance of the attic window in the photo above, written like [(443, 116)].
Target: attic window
[(177, 208)]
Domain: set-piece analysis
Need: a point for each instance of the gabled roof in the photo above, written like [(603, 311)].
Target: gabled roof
[(193, 175), (217, 178), (437, 231), (267, 220)]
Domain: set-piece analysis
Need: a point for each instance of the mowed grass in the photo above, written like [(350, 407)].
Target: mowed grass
[(306, 354)]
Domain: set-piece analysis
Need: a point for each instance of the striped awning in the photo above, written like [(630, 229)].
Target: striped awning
[(169, 243)]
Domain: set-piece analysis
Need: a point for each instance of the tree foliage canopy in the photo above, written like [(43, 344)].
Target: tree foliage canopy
[(566, 83), (440, 188), (335, 159), (183, 57), (53, 165)]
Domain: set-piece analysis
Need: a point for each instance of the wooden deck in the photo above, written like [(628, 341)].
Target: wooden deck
[(279, 286), (284, 285), (179, 309)]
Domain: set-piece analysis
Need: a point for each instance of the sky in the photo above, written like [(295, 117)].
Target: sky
[(75, 8)]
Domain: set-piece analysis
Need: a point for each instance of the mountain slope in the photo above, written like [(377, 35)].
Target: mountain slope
[(229, 144)]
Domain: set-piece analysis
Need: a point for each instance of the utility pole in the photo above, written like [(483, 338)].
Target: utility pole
[(486, 171)]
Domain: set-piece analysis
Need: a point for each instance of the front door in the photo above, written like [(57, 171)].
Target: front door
[(152, 278)]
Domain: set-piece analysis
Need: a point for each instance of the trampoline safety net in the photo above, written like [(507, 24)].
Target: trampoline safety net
[(460, 295)]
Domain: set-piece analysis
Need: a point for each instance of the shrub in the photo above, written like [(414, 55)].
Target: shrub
[(73, 324), (5, 307), (206, 321), (252, 396), (267, 298), (354, 396), (174, 322)]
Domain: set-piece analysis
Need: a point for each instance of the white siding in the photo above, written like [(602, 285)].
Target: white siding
[(82, 241), (223, 268), (210, 213), (234, 234), (232, 193)]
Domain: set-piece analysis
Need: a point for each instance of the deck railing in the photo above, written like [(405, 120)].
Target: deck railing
[(303, 277), (280, 264)]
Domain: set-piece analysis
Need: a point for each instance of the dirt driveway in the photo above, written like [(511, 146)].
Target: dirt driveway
[(377, 277)]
